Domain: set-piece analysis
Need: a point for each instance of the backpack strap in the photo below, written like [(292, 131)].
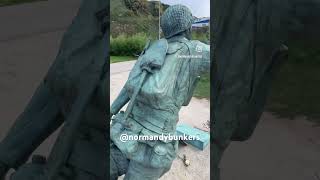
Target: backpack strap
[(152, 58)]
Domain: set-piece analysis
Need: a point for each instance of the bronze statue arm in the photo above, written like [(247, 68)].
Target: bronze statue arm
[(206, 61), (40, 119), (119, 102)]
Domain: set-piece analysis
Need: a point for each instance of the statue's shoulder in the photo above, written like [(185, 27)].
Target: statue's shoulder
[(154, 54), (155, 46), (176, 46)]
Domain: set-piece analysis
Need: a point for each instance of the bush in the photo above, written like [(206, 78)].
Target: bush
[(124, 45), (201, 34), (200, 37)]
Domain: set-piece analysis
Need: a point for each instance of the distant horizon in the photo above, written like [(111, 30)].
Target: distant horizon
[(199, 8)]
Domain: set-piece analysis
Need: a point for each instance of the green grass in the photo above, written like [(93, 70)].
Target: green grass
[(124, 45), (203, 88), (115, 59), (202, 35), (296, 89), (125, 21), (13, 2)]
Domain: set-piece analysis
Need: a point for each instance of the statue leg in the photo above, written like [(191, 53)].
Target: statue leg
[(40, 118), (118, 163)]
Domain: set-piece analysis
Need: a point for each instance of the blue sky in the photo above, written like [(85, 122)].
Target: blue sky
[(199, 8)]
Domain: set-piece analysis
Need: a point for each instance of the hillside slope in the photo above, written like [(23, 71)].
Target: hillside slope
[(134, 16)]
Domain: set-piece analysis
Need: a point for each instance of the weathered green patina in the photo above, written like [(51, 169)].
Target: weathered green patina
[(251, 39), (74, 92), (164, 76)]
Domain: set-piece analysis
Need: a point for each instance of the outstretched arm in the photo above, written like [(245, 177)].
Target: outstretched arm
[(202, 62), (40, 118), (206, 62), (120, 101)]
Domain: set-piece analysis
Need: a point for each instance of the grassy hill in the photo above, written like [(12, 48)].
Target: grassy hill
[(134, 16), (132, 22)]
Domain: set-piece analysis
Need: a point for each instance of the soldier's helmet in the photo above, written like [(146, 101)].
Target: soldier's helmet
[(176, 19)]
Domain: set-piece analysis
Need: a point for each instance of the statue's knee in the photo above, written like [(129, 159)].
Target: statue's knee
[(118, 162)]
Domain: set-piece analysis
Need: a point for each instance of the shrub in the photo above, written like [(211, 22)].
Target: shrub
[(201, 34), (124, 45)]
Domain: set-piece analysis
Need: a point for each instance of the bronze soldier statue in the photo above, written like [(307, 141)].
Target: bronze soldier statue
[(251, 43), (160, 83), (74, 92)]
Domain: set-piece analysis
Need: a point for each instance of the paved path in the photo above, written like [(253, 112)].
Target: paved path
[(280, 149), (29, 20)]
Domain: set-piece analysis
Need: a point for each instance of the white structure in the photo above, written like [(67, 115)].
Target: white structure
[(201, 22)]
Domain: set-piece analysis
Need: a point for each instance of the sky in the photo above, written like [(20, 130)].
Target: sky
[(199, 8)]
